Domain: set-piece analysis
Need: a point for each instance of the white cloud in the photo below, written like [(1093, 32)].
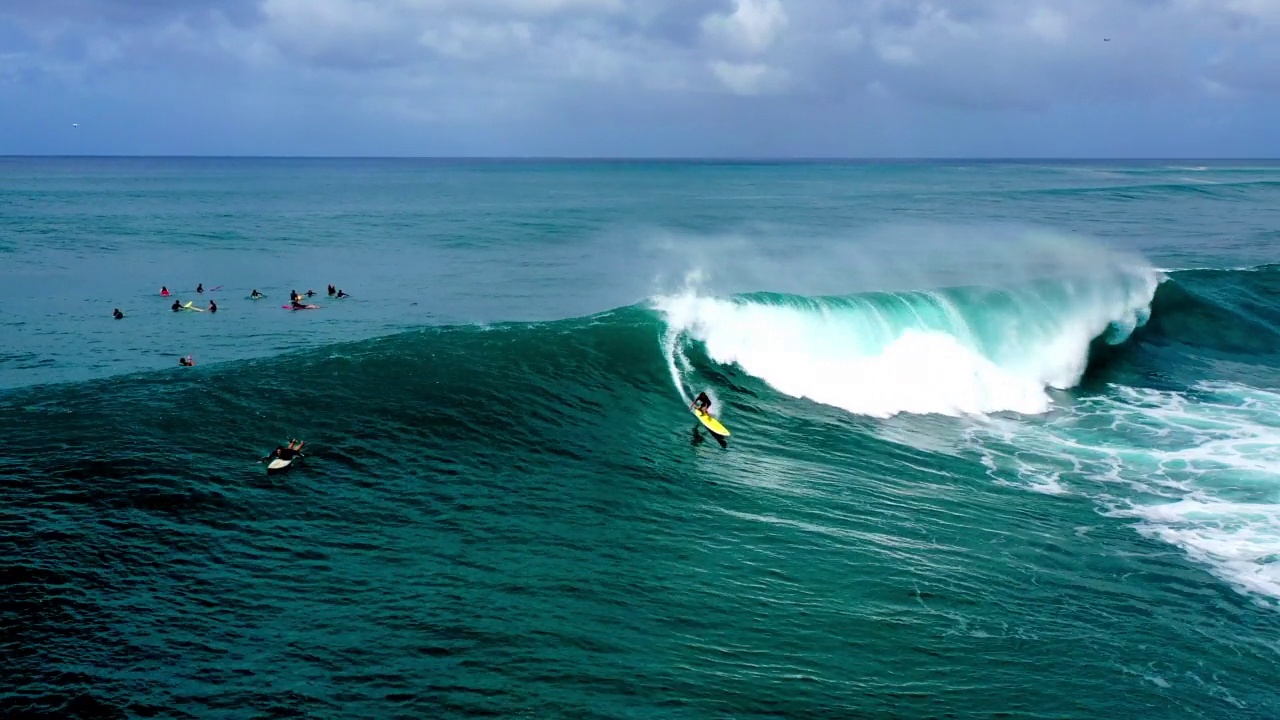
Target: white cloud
[(753, 26), (751, 78)]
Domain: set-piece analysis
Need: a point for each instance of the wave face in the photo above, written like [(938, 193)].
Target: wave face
[(955, 351)]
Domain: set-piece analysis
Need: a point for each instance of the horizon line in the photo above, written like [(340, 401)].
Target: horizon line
[(661, 158)]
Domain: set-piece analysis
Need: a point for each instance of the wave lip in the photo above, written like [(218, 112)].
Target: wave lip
[(959, 351)]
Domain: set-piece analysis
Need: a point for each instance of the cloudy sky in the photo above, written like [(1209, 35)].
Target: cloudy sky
[(708, 78)]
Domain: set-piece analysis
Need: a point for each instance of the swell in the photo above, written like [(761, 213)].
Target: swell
[(1217, 189), (1231, 311)]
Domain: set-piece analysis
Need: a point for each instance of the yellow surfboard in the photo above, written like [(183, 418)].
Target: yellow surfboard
[(711, 423)]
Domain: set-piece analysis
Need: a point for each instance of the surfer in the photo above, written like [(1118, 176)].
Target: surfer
[(186, 361), (255, 294), (164, 291), (286, 453), (311, 293), (332, 291), (176, 306), (117, 314), (213, 306), (200, 287), (702, 402), (294, 296), (342, 294)]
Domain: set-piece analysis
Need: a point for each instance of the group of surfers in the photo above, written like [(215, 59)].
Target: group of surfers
[(295, 298), (295, 302)]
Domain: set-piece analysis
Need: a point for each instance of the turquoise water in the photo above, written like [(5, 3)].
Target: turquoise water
[(1005, 439)]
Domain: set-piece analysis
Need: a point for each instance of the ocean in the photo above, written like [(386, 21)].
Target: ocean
[(1005, 439)]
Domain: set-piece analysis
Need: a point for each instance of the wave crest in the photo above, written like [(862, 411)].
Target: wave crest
[(957, 351)]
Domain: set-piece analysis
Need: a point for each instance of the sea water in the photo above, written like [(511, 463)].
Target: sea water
[(1006, 439)]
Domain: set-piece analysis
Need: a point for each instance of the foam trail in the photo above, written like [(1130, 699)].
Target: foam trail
[(955, 352), (1199, 470)]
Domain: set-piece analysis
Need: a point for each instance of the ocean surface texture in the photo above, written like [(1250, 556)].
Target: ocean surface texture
[(1005, 440)]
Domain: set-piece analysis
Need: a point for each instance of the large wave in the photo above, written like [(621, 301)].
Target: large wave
[(956, 351)]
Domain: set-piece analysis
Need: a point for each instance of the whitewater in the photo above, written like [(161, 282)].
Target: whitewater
[(953, 351)]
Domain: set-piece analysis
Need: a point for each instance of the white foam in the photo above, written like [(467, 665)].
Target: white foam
[(1199, 470), (872, 363)]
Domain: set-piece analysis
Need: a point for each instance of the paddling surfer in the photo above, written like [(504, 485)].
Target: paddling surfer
[(288, 452)]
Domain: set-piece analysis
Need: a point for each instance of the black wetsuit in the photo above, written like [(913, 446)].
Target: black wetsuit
[(703, 403)]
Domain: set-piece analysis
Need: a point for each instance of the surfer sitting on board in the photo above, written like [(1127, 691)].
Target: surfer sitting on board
[(332, 291), (200, 288), (255, 294), (117, 314), (164, 291), (176, 306)]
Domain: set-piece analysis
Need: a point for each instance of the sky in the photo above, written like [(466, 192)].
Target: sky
[(642, 78)]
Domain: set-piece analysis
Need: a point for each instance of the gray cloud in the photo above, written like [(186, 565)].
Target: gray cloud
[(742, 62)]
